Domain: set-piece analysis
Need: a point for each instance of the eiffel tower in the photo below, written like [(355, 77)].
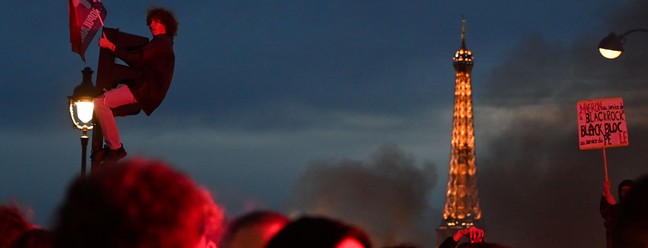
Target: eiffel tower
[(462, 202)]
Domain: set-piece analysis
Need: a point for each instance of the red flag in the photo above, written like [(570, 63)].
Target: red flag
[(86, 17)]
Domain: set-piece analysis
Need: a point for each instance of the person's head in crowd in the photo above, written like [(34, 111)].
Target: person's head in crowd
[(12, 224), (131, 204), (254, 229), (403, 245), (34, 238), (632, 225), (624, 188), (319, 232), (481, 245), (213, 223)]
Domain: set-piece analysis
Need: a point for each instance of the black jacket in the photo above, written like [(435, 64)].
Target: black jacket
[(156, 62)]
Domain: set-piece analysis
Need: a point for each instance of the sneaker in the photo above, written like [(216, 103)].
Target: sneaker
[(114, 155), (99, 155)]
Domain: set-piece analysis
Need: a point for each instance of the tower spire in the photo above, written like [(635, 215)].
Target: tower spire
[(463, 32)]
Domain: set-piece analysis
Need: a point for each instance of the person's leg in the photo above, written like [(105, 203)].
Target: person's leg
[(103, 111)]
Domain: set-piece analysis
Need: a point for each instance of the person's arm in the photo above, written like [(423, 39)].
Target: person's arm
[(158, 48), (607, 204), (607, 194)]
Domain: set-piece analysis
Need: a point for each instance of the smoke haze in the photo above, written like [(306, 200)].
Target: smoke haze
[(387, 196), (537, 188)]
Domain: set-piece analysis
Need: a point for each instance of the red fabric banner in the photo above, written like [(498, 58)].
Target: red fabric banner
[(86, 17)]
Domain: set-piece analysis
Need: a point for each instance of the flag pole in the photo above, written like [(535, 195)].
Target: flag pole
[(100, 20)]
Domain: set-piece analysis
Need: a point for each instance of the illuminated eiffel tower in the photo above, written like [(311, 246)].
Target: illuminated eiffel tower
[(462, 202)]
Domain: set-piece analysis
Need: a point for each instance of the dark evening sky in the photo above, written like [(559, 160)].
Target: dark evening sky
[(281, 104)]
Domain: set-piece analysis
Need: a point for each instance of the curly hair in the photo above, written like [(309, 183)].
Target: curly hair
[(213, 228), (34, 238), (135, 204), (166, 17), (12, 224)]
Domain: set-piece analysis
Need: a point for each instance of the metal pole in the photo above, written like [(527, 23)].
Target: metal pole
[(84, 150)]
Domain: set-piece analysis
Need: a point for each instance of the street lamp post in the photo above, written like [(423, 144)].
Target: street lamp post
[(81, 111), (611, 46)]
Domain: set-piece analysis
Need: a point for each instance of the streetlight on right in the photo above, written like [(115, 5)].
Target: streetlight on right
[(611, 46)]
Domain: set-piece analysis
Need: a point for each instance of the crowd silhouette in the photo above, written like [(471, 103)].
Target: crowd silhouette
[(141, 203)]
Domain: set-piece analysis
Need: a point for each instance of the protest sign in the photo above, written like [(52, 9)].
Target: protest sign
[(601, 123)]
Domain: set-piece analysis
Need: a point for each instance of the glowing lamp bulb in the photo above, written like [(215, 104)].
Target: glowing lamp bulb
[(84, 110), (609, 54)]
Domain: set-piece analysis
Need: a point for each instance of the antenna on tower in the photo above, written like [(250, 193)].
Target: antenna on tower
[(463, 32)]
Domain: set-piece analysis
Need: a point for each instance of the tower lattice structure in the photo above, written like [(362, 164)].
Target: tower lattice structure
[(462, 202)]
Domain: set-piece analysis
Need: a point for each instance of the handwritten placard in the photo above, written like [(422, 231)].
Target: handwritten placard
[(601, 123)]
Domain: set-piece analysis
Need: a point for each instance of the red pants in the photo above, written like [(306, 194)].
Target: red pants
[(103, 106)]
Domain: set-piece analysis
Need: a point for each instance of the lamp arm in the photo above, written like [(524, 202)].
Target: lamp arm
[(633, 31)]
